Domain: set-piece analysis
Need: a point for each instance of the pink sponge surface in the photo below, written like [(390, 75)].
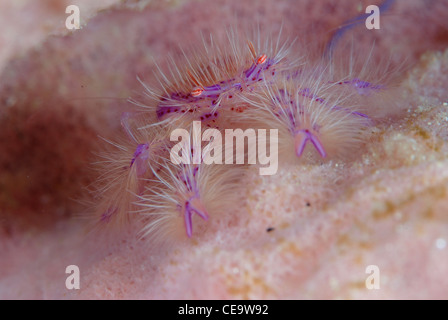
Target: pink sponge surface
[(326, 223)]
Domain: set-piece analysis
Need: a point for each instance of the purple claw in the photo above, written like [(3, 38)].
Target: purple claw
[(105, 217), (187, 218), (302, 137), (141, 156), (192, 206)]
